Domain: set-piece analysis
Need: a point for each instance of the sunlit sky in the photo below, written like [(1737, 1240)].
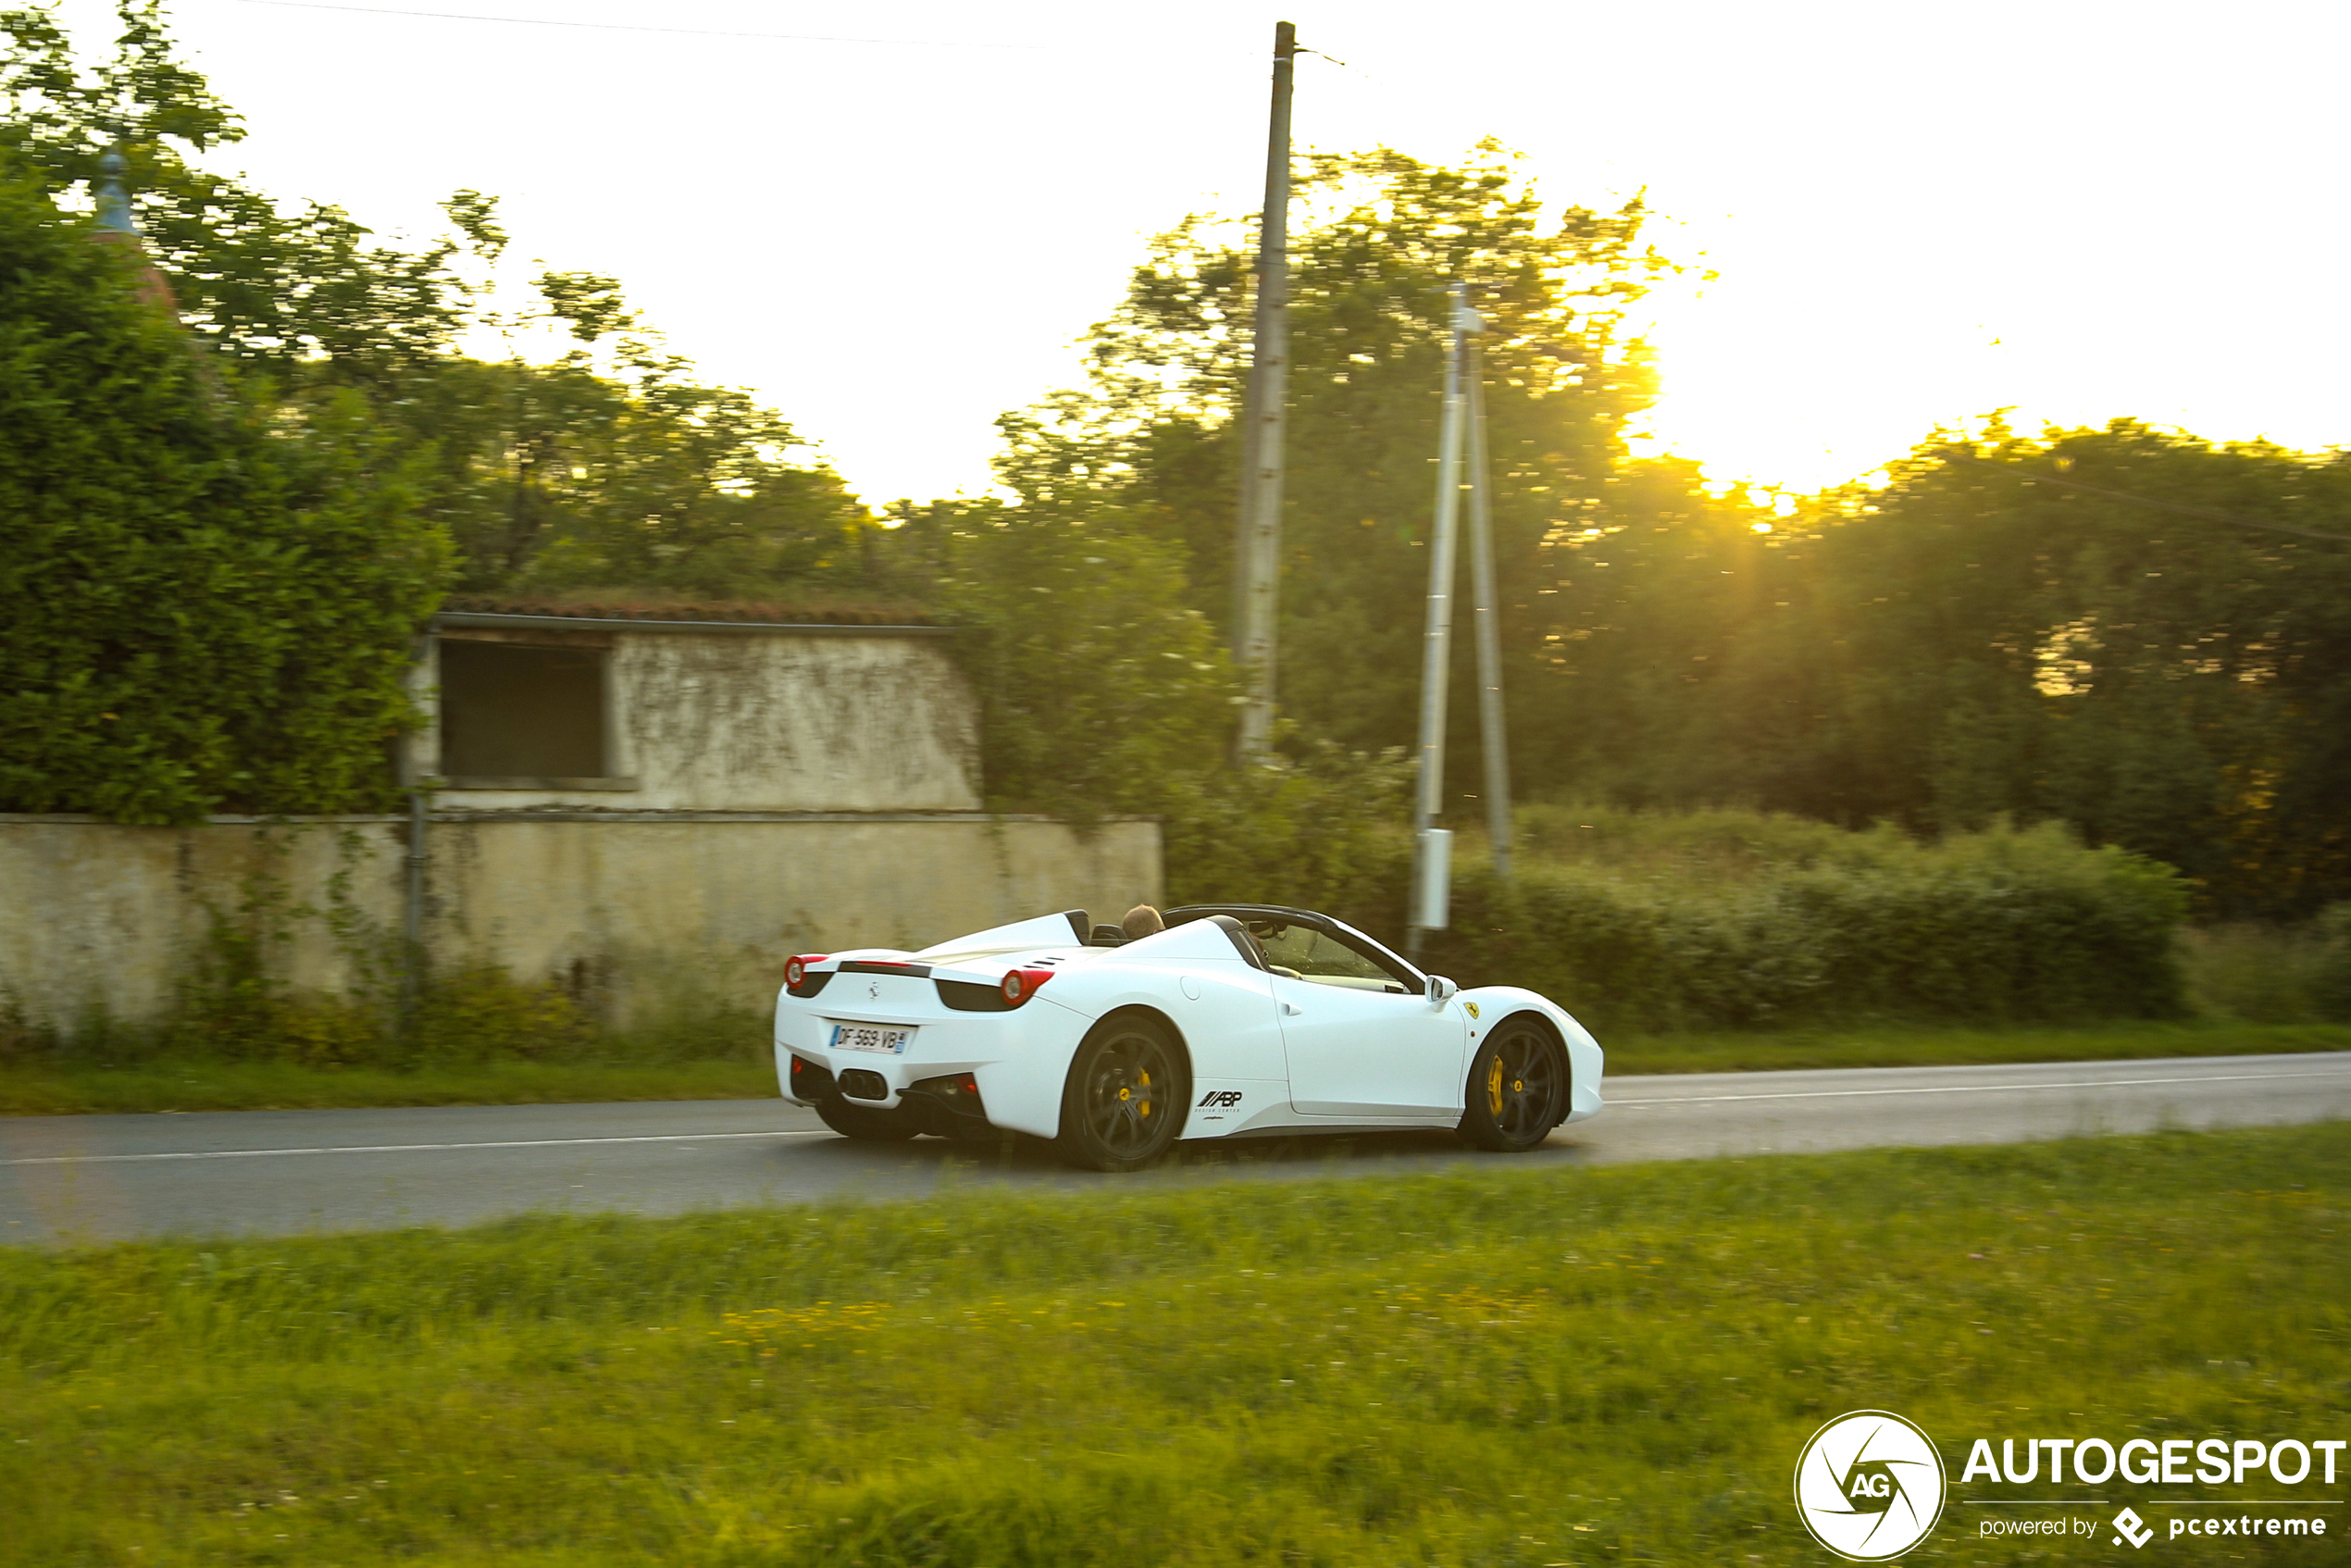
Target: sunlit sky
[(1917, 213)]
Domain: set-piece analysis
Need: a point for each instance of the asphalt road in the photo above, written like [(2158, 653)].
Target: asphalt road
[(79, 1179)]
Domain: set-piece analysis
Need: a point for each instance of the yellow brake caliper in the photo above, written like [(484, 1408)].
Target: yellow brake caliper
[(1494, 1087)]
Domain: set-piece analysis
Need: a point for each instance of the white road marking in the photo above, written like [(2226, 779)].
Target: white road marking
[(398, 1148), (715, 1137), (1973, 1088)]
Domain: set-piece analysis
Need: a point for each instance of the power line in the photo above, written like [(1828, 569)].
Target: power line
[(635, 26), (2208, 514)]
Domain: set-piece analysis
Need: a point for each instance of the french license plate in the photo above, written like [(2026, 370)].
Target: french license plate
[(877, 1038)]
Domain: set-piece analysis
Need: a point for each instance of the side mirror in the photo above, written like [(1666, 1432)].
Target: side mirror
[(1441, 989)]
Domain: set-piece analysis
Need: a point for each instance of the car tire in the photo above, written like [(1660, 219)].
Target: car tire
[(1125, 1100), (869, 1127), (1517, 1090)]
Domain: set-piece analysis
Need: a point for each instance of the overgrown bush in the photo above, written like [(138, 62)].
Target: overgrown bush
[(209, 596), (1098, 691), (2333, 989), (234, 1004), (1738, 920), (233, 1000), (2257, 972)]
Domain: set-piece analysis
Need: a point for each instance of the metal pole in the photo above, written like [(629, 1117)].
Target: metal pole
[(1257, 552), (1436, 641), (1489, 614)]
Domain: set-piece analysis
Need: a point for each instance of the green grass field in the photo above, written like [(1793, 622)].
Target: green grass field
[(1510, 1367), (46, 1089), (1754, 1051)]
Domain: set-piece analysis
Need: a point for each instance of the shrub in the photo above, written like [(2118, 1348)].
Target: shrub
[(2257, 973), (1098, 691), (209, 595), (233, 1006), (1739, 920), (483, 1014), (2333, 985)]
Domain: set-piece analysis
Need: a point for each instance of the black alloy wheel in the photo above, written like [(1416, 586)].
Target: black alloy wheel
[(1127, 1095), (867, 1127), (1517, 1089)]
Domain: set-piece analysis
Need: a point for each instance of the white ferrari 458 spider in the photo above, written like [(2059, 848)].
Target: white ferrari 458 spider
[(1236, 1019)]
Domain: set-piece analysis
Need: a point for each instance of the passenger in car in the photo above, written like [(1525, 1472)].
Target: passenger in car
[(1142, 921)]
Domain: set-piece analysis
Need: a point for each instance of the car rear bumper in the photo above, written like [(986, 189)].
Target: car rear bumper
[(1018, 1061)]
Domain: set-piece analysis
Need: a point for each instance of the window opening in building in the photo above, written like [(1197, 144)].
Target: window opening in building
[(513, 710)]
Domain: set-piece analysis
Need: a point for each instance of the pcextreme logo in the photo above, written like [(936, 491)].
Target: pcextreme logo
[(1869, 1485)]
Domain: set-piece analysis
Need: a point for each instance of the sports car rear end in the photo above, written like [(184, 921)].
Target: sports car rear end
[(948, 1047)]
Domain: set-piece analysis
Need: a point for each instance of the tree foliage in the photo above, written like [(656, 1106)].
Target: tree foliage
[(611, 466), (225, 532), (1952, 646), (209, 596), (553, 476), (1976, 638), (1097, 686), (1102, 691), (1154, 428)]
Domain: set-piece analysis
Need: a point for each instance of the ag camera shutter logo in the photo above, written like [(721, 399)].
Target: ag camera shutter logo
[(1870, 1486)]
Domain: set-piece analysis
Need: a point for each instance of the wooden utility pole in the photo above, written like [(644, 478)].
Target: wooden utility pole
[(1257, 545)]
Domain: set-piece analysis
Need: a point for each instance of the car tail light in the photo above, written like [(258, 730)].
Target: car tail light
[(796, 967), (1019, 985)]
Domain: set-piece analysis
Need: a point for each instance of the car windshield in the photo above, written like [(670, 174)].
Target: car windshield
[(1312, 956)]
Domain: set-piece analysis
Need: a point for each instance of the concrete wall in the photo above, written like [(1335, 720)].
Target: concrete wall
[(628, 907), (813, 719)]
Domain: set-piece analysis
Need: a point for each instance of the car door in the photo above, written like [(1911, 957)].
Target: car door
[(1223, 1003), (1357, 1042)]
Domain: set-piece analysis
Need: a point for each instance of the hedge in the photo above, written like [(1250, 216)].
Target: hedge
[(1997, 927), (209, 594)]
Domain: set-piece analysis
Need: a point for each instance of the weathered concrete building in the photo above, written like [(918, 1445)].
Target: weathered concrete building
[(636, 806), (536, 711)]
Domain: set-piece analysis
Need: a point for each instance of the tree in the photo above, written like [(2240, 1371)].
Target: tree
[(268, 290), (1102, 691), (1980, 637), (2172, 682), (1950, 646), (210, 595), (1099, 688), (1382, 235), (618, 471), (561, 476)]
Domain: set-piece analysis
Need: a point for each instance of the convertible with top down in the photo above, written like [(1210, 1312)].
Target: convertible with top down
[(1236, 1020)]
